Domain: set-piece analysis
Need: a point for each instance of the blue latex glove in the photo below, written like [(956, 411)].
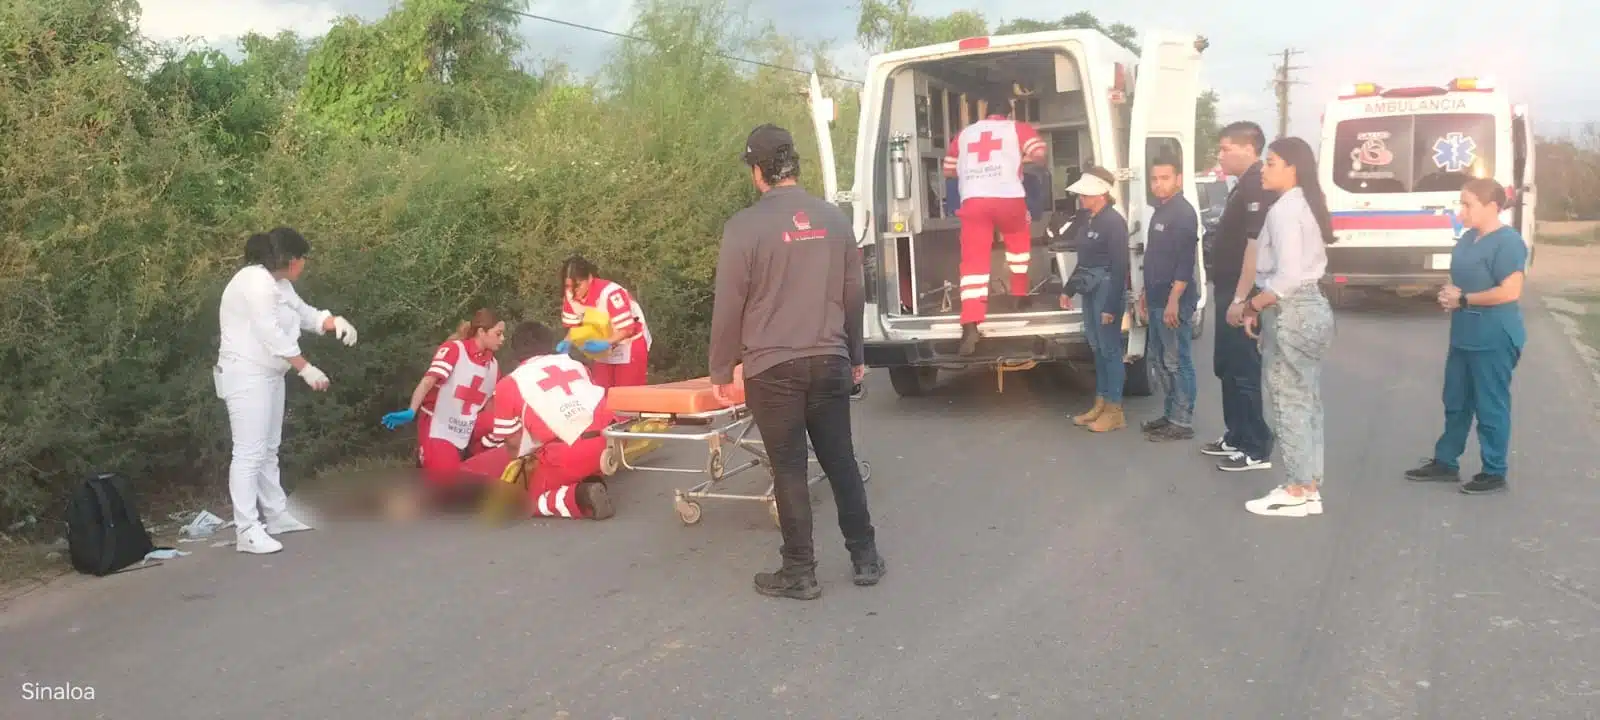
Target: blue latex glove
[(563, 346), (398, 418), (595, 347)]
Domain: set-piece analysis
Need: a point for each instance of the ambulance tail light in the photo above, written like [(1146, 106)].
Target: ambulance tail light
[(1471, 84), (1359, 90), (973, 43)]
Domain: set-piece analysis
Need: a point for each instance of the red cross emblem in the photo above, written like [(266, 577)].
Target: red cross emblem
[(986, 145), (556, 376), (471, 395)]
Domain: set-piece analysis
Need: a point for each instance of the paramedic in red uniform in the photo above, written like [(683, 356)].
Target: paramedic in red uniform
[(986, 159), (549, 407), (453, 398), (626, 357)]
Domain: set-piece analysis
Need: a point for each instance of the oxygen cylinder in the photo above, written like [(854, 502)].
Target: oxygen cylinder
[(900, 166)]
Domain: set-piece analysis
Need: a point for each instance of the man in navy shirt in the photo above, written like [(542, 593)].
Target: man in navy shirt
[(1247, 444), (1169, 300)]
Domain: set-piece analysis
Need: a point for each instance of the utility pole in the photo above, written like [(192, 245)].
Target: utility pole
[(1281, 82)]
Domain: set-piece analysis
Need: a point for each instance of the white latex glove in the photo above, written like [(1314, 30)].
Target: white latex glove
[(343, 330), (317, 379)]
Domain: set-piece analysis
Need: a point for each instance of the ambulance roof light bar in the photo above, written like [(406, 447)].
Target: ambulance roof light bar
[(1360, 90), (1471, 84)]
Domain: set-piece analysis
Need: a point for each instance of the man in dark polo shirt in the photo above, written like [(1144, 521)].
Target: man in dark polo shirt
[(789, 304), (1169, 301), (1247, 444)]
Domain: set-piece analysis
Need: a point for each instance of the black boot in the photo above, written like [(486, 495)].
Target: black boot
[(869, 567), (789, 583), (1484, 483), (969, 338)]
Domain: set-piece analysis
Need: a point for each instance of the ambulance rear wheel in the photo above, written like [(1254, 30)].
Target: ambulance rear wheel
[(688, 511), (1139, 379), (610, 463), (913, 381)]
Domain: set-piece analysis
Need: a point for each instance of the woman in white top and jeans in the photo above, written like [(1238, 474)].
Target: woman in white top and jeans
[(1289, 263), (261, 318)]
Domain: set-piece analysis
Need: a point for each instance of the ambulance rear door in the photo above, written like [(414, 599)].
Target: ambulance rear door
[(1166, 90)]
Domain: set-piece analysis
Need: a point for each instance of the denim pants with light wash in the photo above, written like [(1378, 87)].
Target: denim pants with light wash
[(1105, 339), (1169, 350), (1294, 344)]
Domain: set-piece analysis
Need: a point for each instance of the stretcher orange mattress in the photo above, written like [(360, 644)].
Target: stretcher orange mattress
[(686, 397)]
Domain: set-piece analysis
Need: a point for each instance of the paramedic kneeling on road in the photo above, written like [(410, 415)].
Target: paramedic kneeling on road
[(624, 358), (453, 397), (789, 303), (1487, 269), (261, 318), (986, 158), (1103, 258), (548, 407)]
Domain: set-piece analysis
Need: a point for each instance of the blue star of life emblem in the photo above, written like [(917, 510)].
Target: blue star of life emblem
[(1454, 152)]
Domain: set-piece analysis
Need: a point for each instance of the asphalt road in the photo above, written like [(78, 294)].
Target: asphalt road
[(1035, 571)]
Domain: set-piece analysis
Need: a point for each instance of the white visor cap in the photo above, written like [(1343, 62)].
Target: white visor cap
[(1089, 185)]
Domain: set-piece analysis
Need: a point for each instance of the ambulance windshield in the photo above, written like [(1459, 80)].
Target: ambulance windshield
[(1413, 153)]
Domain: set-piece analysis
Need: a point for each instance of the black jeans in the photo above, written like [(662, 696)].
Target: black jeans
[(1237, 362), (810, 396)]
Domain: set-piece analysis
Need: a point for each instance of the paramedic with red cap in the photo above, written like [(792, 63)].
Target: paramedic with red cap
[(548, 407), (986, 159), (454, 397)]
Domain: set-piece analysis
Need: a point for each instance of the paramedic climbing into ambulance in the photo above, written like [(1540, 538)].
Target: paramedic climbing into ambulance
[(624, 358), (261, 318), (453, 398), (549, 408), (986, 158)]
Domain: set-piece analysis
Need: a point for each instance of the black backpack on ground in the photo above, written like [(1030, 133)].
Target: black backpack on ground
[(104, 532)]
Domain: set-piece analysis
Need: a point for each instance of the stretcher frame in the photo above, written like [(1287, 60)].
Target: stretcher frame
[(722, 431)]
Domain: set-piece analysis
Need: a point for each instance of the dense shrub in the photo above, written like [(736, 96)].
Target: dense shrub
[(129, 179)]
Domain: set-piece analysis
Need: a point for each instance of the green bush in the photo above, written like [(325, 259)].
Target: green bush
[(127, 194)]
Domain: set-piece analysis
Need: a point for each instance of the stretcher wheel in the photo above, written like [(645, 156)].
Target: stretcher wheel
[(866, 472), (610, 463), (715, 465), (688, 511), (772, 508)]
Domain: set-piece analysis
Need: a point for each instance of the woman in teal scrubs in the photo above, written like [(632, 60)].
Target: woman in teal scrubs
[(1486, 339)]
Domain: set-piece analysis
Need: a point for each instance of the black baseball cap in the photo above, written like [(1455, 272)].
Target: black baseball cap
[(764, 142)]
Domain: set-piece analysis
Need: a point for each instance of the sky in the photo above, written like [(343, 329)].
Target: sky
[(1534, 48)]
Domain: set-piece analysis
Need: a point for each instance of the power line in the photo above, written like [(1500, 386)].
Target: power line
[(1281, 85), (636, 38)]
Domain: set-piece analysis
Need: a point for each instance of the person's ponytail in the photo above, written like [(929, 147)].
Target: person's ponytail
[(463, 331)]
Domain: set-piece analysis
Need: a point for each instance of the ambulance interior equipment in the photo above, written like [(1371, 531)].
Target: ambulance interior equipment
[(1393, 164), (688, 411), (1091, 105)]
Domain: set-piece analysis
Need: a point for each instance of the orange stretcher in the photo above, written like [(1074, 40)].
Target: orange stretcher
[(689, 410)]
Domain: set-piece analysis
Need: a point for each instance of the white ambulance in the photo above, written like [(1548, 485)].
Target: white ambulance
[(1094, 102), (1393, 161)]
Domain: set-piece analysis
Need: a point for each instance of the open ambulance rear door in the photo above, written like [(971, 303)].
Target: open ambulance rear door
[(1165, 92)]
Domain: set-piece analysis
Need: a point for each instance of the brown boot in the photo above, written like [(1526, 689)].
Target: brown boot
[(1094, 412), (1110, 419)]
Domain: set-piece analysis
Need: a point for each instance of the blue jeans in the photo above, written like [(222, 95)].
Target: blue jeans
[(1174, 364), (1105, 339)]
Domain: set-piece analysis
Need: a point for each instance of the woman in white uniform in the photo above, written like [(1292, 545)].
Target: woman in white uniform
[(261, 320)]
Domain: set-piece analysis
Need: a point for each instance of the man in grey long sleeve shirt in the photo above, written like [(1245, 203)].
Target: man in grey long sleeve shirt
[(789, 303)]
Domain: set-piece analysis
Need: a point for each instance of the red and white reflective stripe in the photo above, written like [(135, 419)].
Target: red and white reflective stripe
[(503, 429), (559, 502), (951, 162), (441, 369), (974, 287), (623, 321), (1018, 262), (1032, 146), (568, 318)]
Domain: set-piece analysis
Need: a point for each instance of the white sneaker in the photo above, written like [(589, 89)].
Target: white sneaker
[(1314, 503), (1280, 503), (256, 541), (286, 523)]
